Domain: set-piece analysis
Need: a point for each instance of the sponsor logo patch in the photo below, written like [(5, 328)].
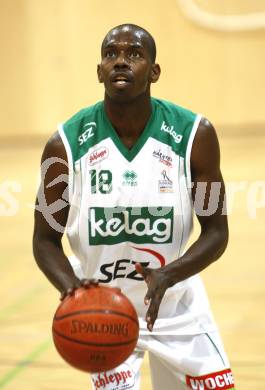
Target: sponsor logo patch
[(112, 225), (125, 268), (98, 155), (129, 178), (166, 184), (120, 378), (163, 158), (171, 131), (87, 133), (217, 380)]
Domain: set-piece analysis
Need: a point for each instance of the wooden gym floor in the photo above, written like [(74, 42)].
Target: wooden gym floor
[(235, 283)]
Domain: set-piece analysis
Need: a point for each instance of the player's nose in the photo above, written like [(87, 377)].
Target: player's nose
[(121, 61)]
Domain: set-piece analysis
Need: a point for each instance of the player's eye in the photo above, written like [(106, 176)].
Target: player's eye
[(110, 54), (134, 54)]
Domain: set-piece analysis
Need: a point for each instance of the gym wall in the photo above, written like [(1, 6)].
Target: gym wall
[(50, 49)]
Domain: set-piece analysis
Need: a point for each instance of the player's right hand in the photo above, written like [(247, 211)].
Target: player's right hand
[(86, 283), (157, 284)]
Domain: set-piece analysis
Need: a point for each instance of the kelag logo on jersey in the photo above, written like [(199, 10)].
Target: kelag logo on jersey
[(112, 225)]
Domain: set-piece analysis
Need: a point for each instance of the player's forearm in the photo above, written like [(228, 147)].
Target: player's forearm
[(209, 247), (54, 264)]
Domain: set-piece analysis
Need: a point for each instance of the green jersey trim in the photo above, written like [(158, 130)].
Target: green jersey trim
[(69, 161), (168, 123), (174, 125), (84, 130)]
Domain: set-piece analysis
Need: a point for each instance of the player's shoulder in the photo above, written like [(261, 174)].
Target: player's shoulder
[(171, 108), (206, 148), (206, 127), (54, 147), (206, 133)]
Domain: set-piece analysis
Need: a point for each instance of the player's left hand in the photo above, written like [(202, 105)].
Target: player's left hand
[(157, 284), (86, 283)]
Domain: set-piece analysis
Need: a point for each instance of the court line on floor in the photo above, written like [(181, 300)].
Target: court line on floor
[(24, 363), (32, 356)]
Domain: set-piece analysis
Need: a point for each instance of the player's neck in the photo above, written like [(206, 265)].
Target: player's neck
[(129, 119)]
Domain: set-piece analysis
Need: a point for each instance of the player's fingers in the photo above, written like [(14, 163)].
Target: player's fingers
[(144, 271), (148, 296), (86, 283), (140, 269), (94, 282), (150, 319), (69, 291), (152, 311), (63, 295)]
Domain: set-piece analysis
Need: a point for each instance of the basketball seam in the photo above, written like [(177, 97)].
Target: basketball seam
[(94, 344), (94, 312)]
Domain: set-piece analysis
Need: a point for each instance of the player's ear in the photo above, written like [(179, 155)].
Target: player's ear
[(100, 79), (155, 73)]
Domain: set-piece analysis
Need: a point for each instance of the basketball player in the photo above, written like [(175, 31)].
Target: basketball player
[(121, 178)]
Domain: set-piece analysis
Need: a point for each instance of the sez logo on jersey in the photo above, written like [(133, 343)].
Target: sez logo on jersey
[(124, 268), (112, 225), (89, 131)]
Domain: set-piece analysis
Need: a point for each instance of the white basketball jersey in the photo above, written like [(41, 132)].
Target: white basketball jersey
[(134, 205)]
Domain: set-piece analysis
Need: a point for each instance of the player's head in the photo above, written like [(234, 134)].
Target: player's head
[(128, 67), (143, 35)]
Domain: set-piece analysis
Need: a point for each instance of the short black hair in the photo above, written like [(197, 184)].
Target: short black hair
[(149, 39)]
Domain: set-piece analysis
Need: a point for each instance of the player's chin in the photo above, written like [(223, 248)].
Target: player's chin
[(114, 88), (121, 95)]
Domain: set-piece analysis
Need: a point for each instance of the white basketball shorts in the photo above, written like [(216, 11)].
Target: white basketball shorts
[(176, 363)]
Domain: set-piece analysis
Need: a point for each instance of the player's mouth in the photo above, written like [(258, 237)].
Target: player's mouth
[(121, 80)]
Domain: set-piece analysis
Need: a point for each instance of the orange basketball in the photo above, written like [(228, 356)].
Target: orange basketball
[(95, 329)]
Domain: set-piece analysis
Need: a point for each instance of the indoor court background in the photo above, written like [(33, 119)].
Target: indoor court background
[(211, 64)]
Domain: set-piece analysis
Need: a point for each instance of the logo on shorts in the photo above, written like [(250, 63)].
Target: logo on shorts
[(120, 378), (166, 184), (217, 380), (98, 155)]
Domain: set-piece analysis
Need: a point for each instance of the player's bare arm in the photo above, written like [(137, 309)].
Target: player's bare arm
[(47, 237), (212, 242)]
